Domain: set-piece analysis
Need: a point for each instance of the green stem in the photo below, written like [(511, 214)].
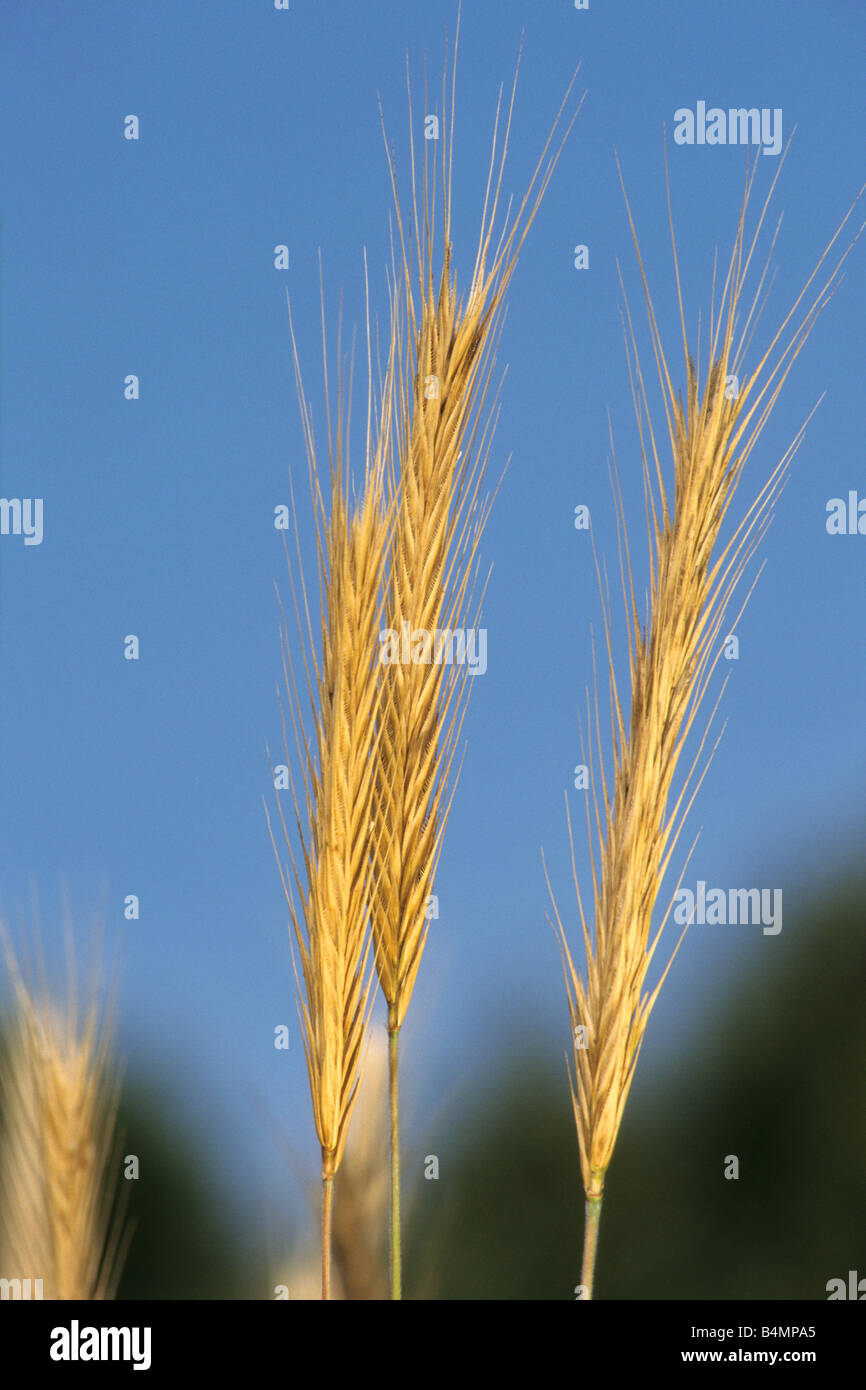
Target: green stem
[(327, 1212), (590, 1242), (394, 1103)]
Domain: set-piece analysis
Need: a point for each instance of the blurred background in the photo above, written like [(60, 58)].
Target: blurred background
[(155, 257), (774, 1077)]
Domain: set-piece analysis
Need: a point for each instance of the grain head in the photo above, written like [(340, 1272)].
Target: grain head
[(446, 347), (60, 1218), (330, 753), (638, 806)]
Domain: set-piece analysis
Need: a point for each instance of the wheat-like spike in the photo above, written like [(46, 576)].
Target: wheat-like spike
[(332, 767), (60, 1220), (694, 575), (446, 353)]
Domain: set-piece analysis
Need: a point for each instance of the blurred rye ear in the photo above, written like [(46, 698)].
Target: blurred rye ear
[(445, 353), (361, 1189), (675, 639), (61, 1204), (331, 767), (359, 1271)]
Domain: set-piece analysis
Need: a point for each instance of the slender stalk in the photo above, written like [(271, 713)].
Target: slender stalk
[(590, 1242), (394, 1105), (327, 1215)]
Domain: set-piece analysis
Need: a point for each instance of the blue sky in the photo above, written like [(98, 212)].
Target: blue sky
[(155, 257)]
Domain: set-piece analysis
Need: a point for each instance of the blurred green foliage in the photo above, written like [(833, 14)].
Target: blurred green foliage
[(778, 1078), (182, 1244)]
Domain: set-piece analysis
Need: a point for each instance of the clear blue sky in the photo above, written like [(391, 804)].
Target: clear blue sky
[(155, 257)]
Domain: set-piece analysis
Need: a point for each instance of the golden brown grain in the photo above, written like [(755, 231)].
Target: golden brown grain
[(446, 351), (637, 813), (446, 348), (326, 881), (61, 1221)]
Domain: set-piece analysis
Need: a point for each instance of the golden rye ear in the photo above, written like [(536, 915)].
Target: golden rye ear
[(675, 638), (61, 1200), (331, 758), (446, 352)]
